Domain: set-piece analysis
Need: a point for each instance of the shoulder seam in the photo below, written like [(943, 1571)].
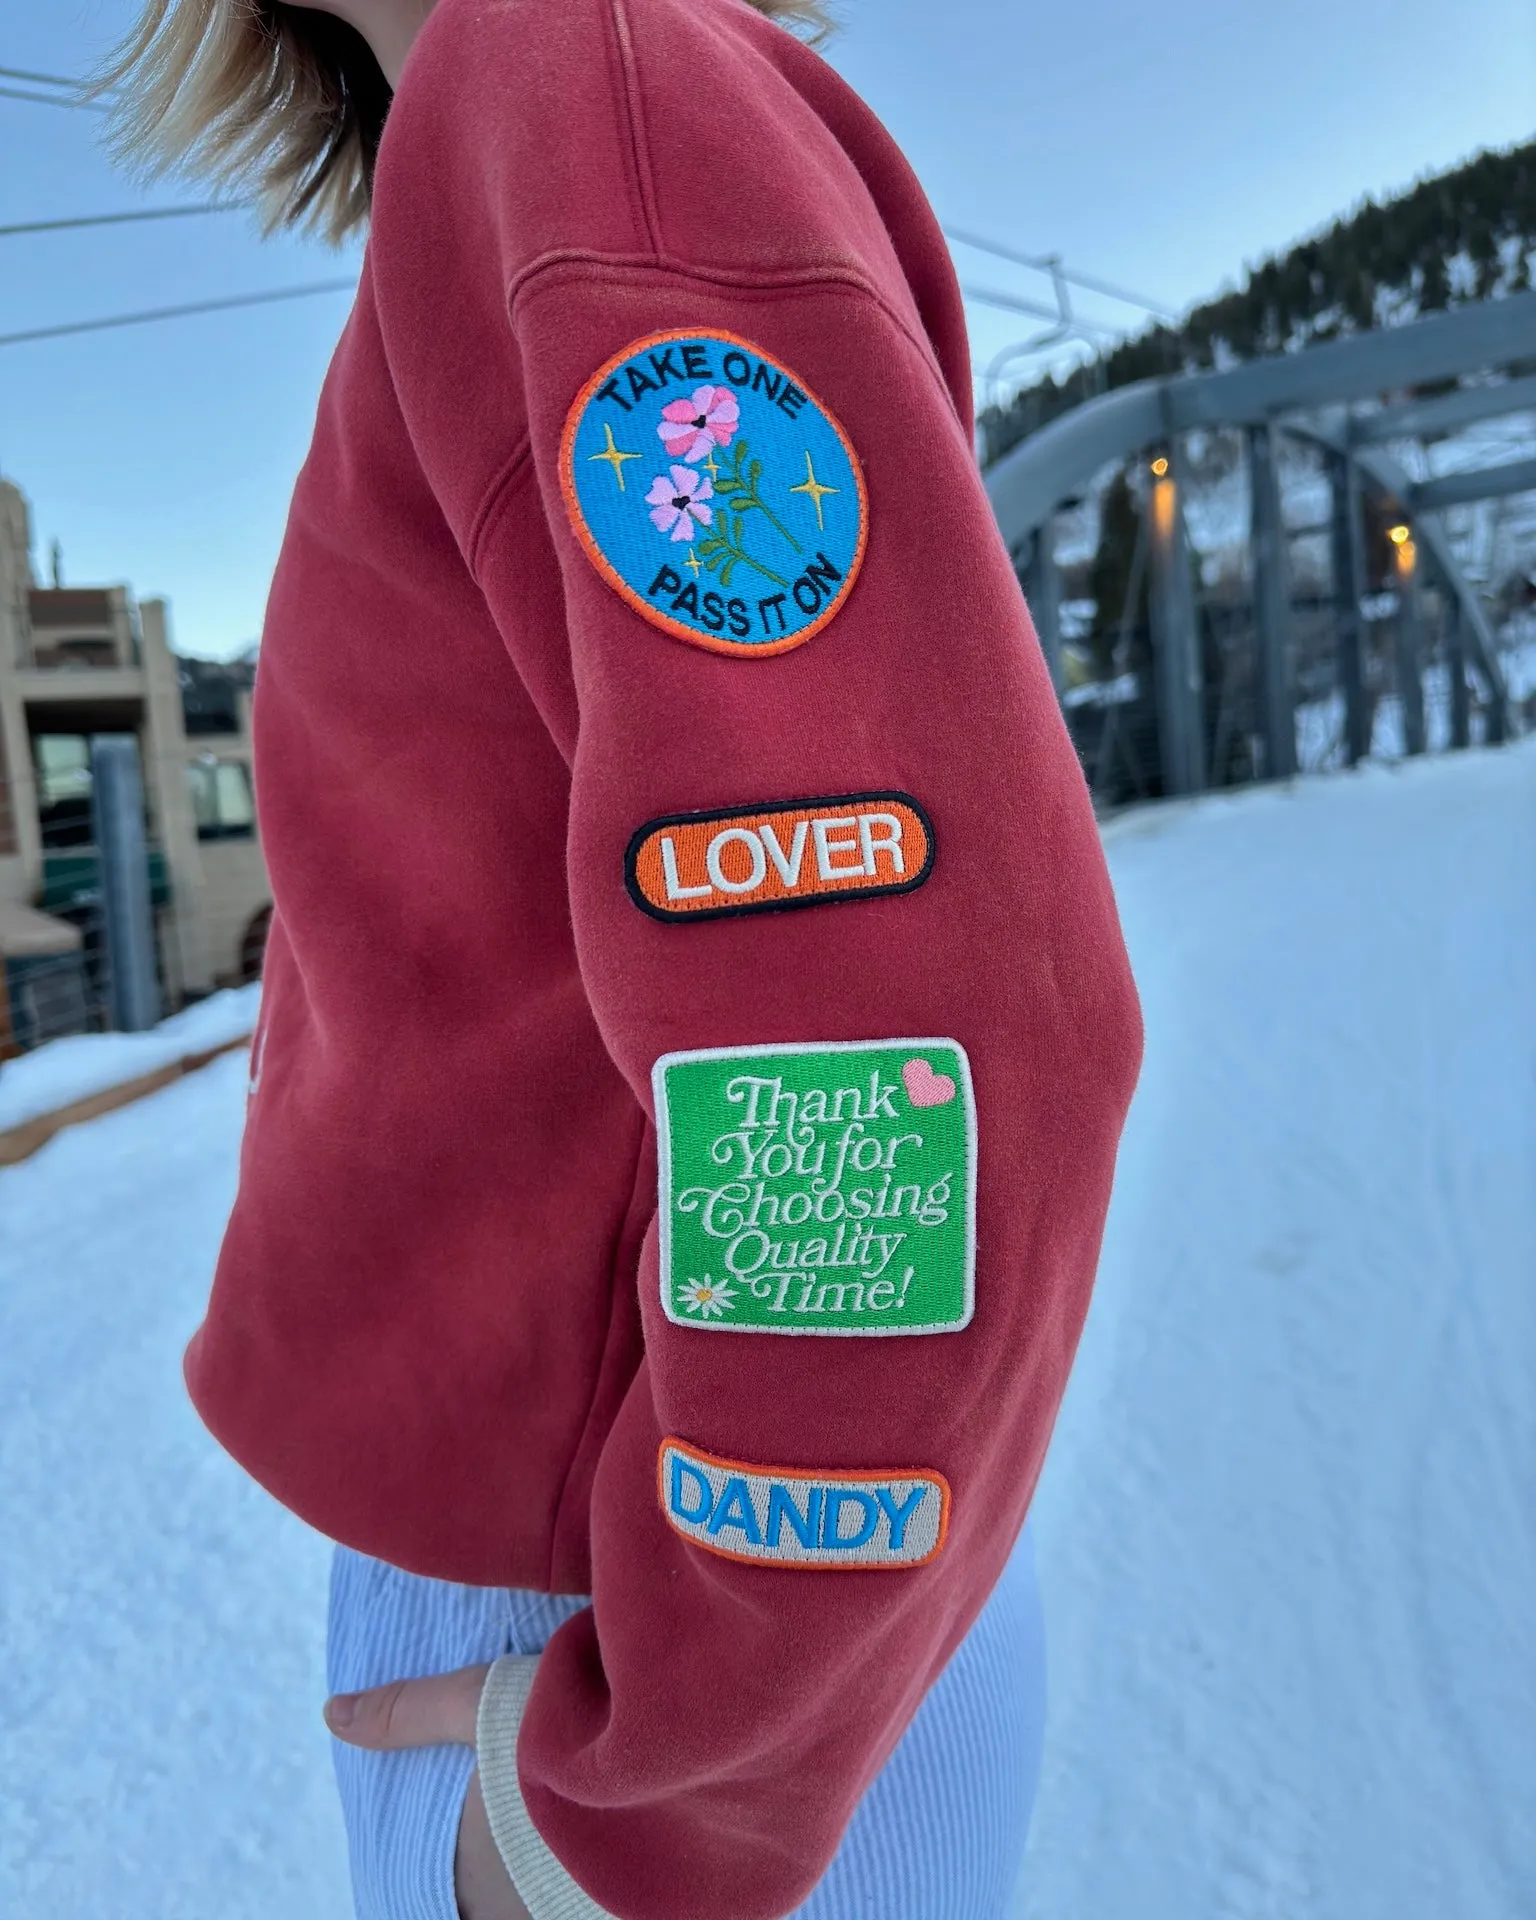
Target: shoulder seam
[(639, 144), (546, 271), (833, 278)]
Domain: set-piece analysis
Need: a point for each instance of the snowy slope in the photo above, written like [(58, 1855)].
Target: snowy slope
[(63, 1071), (1287, 1535), (1285, 1530), (162, 1621)]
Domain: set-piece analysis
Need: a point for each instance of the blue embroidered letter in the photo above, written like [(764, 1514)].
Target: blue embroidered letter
[(781, 1507), (735, 1510), (837, 1499), (679, 1467), (900, 1515)]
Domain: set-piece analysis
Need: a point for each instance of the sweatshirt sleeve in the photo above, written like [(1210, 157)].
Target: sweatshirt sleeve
[(844, 924)]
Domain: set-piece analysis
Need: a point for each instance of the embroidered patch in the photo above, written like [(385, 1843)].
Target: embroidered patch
[(789, 853), (715, 493), (798, 1518), (825, 1188)]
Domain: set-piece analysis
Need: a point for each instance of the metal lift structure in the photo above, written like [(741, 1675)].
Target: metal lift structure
[(1351, 402)]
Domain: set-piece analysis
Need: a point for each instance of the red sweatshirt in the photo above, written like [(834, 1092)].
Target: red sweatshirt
[(691, 931)]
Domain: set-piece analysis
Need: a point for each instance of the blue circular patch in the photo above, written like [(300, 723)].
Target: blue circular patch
[(715, 493)]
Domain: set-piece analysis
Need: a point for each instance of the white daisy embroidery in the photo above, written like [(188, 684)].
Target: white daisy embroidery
[(710, 1299)]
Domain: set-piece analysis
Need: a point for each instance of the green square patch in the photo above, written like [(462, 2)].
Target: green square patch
[(823, 1188)]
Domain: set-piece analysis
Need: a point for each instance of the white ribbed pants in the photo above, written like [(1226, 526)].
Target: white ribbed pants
[(938, 1836)]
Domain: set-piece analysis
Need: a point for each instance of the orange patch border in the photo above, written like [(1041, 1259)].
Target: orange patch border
[(674, 916), (930, 1474), (711, 643)]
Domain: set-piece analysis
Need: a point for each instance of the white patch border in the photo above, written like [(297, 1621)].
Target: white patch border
[(757, 1052)]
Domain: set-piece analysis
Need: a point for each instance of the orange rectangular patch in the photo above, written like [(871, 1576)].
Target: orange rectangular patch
[(790, 853)]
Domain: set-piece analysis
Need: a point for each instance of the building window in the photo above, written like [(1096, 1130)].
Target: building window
[(221, 799), (63, 762)]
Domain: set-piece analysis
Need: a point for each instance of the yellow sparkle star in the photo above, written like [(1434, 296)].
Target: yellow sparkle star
[(692, 563), (613, 456), (816, 490), (711, 467)]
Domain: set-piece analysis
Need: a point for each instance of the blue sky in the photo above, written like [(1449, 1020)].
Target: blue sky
[(1162, 148)]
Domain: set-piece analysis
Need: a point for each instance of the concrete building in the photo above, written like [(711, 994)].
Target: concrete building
[(76, 662)]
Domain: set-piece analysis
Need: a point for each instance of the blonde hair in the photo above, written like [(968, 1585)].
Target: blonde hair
[(281, 102)]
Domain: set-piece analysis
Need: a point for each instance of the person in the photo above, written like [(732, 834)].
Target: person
[(695, 1032)]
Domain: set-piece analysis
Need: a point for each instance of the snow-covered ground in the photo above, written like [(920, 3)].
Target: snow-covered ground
[(161, 1620), (67, 1070), (1286, 1529)]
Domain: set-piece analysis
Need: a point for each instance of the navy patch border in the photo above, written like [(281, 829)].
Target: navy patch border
[(675, 916)]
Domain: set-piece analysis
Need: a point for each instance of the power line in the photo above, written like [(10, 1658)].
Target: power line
[(178, 313), (1046, 263), (1039, 263), (70, 94), (990, 297), (52, 99), (43, 79), (117, 219)]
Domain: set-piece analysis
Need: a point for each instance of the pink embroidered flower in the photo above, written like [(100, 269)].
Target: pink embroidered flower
[(677, 502), (693, 428)]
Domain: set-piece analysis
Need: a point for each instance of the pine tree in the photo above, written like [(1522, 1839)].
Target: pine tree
[(1330, 283), (1109, 577)]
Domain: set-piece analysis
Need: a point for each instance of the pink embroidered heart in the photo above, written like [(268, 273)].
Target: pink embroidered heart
[(925, 1088)]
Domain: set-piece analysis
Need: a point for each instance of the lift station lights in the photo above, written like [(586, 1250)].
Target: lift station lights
[(1164, 498)]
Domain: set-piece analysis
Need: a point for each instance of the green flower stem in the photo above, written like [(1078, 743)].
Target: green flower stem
[(747, 494), (752, 500), (722, 550)]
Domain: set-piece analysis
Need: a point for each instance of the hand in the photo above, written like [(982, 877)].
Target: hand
[(426, 1713)]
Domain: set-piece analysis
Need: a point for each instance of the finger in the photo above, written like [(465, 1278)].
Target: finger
[(410, 1713)]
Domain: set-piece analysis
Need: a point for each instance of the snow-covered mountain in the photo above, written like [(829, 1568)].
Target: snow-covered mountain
[(1463, 235)]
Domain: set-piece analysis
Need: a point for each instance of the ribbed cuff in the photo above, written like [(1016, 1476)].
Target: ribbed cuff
[(547, 1890)]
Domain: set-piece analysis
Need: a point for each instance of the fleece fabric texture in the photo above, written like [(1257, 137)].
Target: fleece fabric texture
[(435, 1329)]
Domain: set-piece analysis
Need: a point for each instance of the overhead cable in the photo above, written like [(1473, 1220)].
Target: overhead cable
[(119, 219), (177, 313), (990, 297), (1038, 263), (43, 79), (52, 99), (1050, 263), (71, 92)]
